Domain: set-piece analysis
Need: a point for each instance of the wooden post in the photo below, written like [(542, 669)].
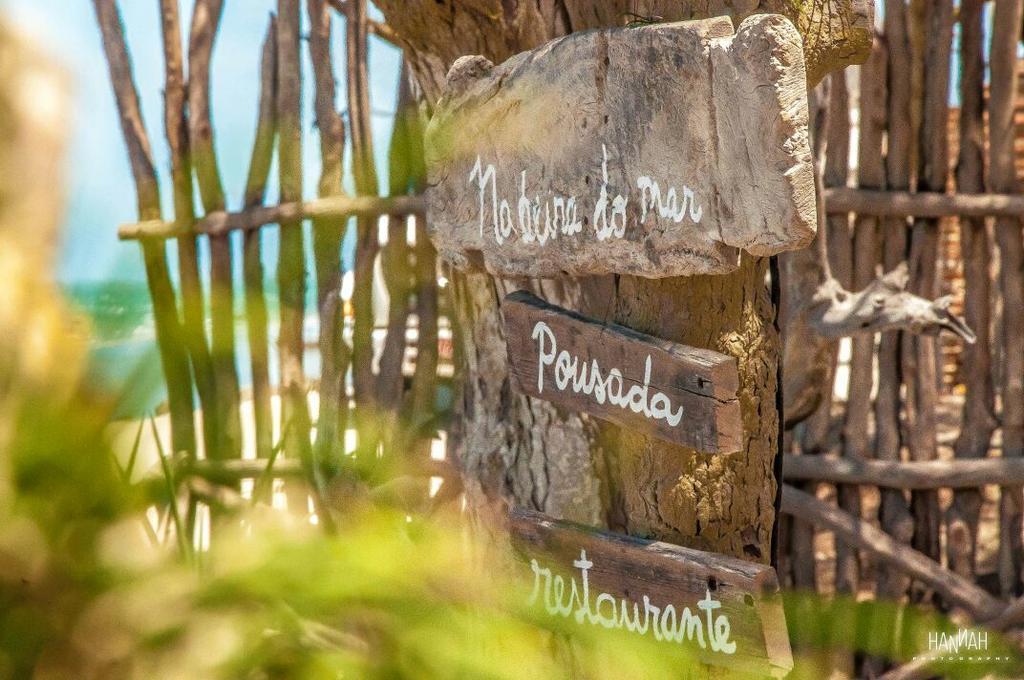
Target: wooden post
[(979, 420), (252, 257), (328, 232), (1002, 102), (607, 476), (871, 174), (291, 265), (205, 23), (894, 515), (177, 133), (170, 343), (919, 361), (396, 263), (367, 244)]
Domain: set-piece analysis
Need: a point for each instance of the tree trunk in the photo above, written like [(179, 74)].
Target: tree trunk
[(529, 453)]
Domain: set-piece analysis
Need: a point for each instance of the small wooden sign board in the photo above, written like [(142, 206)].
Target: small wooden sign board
[(725, 611), (659, 150), (681, 394)]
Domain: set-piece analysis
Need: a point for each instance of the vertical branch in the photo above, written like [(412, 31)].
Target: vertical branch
[(252, 257), (870, 175), (165, 315), (366, 234), (979, 406), (327, 237), (838, 256), (395, 261), (1003, 99), (291, 266), (205, 23), (894, 515), (920, 358), (176, 131)]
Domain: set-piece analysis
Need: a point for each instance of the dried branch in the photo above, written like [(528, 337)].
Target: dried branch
[(140, 156), (327, 236), (365, 174), (396, 264), (168, 327), (177, 133), (893, 203), (291, 265), (252, 258), (953, 588), (1003, 97), (206, 17), (287, 213), (383, 31), (895, 474)]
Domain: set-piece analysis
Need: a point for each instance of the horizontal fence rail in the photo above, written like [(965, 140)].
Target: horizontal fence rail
[(222, 222), (913, 475), (921, 204)]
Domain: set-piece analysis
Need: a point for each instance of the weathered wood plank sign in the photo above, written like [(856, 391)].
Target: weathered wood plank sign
[(681, 394), (656, 151), (722, 610)]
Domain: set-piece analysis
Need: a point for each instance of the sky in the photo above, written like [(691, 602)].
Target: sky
[(100, 189)]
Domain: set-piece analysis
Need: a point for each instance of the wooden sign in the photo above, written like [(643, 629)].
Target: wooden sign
[(725, 611), (681, 394), (659, 150)]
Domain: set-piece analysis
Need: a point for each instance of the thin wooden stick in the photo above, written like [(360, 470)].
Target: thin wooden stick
[(252, 257), (896, 203), (919, 363), (894, 515), (870, 173), (165, 314), (1002, 103), (287, 212), (397, 266), (328, 231), (291, 267), (953, 588), (205, 22), (230, 471), (421, 407), (363, 168), (895, 474), (978, 421), (177, 133)]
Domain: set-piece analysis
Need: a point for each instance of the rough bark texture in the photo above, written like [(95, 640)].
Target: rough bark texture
[(836, 32), (563, 463)]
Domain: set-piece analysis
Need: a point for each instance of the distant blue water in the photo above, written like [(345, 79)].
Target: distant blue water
[(123, 355)]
